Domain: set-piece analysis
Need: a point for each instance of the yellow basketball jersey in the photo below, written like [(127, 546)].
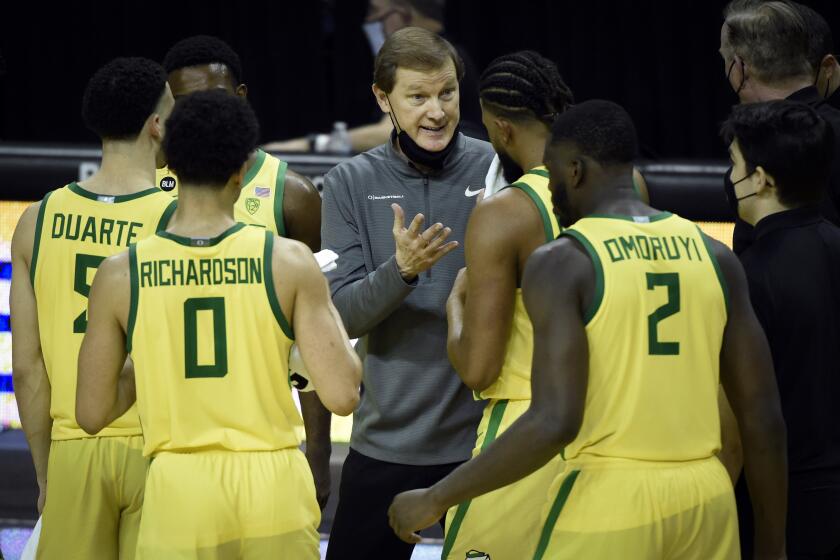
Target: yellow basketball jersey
[(210, 344), (74, 232), (514, 381), (261, 200), (655, 329)]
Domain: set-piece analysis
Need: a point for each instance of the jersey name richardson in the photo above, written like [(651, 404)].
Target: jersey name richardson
[(201, 272), (652, 248), (103, 231)]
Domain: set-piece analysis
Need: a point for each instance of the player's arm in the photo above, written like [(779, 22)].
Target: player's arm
[(29, 374), (105, 388), (557, 284), (480, 308), (302, 210), (330, 359), (302, 215), (750, 385)]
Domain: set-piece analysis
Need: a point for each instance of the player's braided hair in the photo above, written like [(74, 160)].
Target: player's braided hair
[(523, 85)]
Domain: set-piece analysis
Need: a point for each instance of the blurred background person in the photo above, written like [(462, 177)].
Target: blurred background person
[(385, 17), (820, 55)]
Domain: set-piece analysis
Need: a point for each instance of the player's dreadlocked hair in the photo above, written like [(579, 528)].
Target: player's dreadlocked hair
[(203, 49), (524, 85)]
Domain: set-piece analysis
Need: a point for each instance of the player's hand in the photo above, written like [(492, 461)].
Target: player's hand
[(412, 511), (319, 463), (415, 251)]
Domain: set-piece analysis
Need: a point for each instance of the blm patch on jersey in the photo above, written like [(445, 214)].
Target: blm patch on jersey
[(167, 183)]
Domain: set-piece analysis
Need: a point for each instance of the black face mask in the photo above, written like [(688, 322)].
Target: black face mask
[(510, 169), (418, 154)]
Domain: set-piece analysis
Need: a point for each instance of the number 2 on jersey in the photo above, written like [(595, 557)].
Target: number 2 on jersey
[(671, 280), (219, 367), (81, 286)]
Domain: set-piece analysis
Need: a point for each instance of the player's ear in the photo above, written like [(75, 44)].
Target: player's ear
[(505, 130), (578, 171), (241, 90), (155, 126)]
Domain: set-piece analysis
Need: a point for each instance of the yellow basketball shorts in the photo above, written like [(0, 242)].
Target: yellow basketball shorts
[(230, 504), (607, 509), (504, 524), (94, 498)]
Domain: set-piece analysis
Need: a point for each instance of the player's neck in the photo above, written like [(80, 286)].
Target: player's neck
[(530, 154), (202, 212), (126, 168), (617, 198)]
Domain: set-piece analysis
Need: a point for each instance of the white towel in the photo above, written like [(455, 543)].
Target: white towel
[(32, 544), (326, 260), (495, 179)]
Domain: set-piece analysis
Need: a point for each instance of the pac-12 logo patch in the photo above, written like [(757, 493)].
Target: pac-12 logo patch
[(167, 183), (252, 205), (477, 555)]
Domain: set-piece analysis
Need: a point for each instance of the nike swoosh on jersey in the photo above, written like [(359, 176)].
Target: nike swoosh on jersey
[(469, 192)]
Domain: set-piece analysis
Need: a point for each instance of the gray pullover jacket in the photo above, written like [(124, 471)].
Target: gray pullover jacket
[(414, 409)]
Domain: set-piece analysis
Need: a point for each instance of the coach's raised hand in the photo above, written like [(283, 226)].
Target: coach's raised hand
[(415, 251)]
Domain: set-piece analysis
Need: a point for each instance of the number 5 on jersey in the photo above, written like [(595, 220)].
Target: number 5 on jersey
[(81, 285)]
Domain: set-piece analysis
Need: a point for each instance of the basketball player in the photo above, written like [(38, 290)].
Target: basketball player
[(92, 509), (273, 196), (214, 307), (634, 310), (490, 336)]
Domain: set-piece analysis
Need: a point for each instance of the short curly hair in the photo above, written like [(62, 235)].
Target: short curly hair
[(203, 49), (209, 135), (120, 97), (600, 129)]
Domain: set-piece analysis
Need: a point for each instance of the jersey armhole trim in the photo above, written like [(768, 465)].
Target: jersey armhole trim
[(268, 277), (166, 216), (279, 196), (598, 296), (718, 272), (36, 244), (546, 220), (134, 294)]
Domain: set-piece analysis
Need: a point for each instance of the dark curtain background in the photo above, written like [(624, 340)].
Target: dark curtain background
[(307, 63)]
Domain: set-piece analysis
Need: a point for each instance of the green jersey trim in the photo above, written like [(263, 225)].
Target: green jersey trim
[(636, 219), (554, 513), (493, 424), (598, 297), (540, 172), (36, 244), (201, 241), (255, 168), (707, 242), (166, 216), (268, 276), (111, 199), (279, 194), (134, 295), (546, 220)]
